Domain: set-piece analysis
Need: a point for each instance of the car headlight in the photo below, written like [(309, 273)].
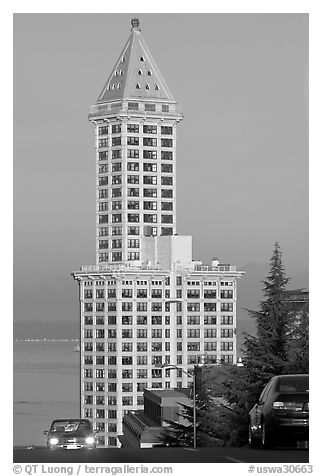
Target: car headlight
[(90, 440), (53, 441)]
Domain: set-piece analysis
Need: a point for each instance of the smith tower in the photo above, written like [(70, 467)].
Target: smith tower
[(145, 303), (135, 120)]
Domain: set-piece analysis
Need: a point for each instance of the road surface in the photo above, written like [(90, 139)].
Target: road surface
[(161, 455)]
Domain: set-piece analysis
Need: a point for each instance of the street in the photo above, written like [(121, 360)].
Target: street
[(161, 455)]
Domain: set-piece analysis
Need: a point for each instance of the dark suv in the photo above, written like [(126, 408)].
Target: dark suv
[(70, 434), (281, 415)]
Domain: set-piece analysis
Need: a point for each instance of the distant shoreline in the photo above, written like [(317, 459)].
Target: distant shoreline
[(46, 340)]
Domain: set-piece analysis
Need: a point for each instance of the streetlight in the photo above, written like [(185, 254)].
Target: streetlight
[(193, 375)]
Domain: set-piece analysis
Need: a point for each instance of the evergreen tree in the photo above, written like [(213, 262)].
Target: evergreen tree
[(266, 354), (298, 342)]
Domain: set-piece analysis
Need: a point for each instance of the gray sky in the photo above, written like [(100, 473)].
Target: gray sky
[(242, 159)]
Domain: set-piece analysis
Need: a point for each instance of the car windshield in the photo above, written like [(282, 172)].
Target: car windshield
[(294, 384), (70, 426)]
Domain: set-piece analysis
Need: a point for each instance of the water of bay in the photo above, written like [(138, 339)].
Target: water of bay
[(45, 387)]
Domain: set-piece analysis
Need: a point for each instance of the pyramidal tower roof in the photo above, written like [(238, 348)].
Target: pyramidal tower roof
[(135, 75)]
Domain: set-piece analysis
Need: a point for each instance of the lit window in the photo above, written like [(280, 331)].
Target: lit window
[(116, 128), (149, 142), (133, 205), (133, 166), (133, 153), (132, 140), (133, 217), (133, 256), (149, 179), (150, 205), (149, 167), (148, 129), (133, 128), (148, 218), (149, 154)]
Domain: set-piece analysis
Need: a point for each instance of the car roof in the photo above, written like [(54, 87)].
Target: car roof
[(289, 376), (71, 420)]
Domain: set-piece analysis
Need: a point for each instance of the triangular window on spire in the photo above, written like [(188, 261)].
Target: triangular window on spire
[(156, 87), (142, 59), (137, 86), (147, 86), (149, 73), (140, 72)]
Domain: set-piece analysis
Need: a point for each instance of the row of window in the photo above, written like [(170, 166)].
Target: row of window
[(126, 374), (135, 218), (135, 154), (157, 306), (155, 334), (135, 167), (88, 373), (134, 106), (118, 230), (135, 128), (135, 205), (135, 192), (158, 320), (153, 282), (118, 256), (135, 179), (155, 293), (160, 346), (133, 140)]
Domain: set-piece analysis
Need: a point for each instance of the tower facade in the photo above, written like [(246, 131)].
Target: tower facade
[(145, 302), (135, 119)]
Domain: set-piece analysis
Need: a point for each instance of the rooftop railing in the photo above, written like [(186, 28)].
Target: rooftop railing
[(219, 268), (97, 268), (110, 108)]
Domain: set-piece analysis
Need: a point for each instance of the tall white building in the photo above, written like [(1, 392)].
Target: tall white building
[(145, 302)]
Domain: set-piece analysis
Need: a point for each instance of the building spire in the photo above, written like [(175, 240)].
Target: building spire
[(135, 23), (135, 75)]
